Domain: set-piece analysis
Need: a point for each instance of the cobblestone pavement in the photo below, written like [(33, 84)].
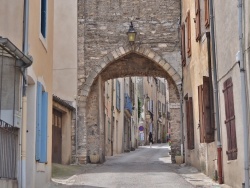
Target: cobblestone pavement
[(145, 167)]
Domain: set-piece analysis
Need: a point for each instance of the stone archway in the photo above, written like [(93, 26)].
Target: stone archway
[(123, 61)]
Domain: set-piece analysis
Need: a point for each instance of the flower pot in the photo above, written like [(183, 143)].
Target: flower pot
[(94, 158), (178, 159)]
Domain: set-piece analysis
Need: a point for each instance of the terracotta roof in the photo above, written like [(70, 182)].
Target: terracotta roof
[(63, 102)]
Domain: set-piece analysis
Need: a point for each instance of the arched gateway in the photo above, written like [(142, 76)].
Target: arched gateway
[(104, 53)]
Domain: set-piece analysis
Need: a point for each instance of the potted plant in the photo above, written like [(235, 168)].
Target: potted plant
[(178, 158), (94, 157)]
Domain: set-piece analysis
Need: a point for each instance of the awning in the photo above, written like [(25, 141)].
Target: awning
[(8, 48)]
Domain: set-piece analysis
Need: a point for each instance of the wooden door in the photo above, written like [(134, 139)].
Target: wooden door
[(57, 137)]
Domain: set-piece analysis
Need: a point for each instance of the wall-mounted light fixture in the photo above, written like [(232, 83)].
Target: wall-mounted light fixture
[(131, 34)]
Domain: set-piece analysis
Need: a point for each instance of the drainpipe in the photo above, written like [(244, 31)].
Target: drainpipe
[(76, 130), (216, 97), (243, 94), (24, 97)]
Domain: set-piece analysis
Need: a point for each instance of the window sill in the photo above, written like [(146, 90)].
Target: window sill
[(44, 42)]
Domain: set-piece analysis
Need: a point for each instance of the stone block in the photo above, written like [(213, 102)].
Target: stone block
[(157, 58), (122, 50), (167, 66), (151, 55), (171, 71)]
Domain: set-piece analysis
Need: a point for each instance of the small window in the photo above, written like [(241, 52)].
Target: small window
[(206, 3), (188, 21), (43, 17), (197, 20)]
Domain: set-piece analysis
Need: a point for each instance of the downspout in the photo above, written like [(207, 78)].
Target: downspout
[(24, 97), (181, 101), (112, 117), (216, 97), (243, 94), (76, 130)]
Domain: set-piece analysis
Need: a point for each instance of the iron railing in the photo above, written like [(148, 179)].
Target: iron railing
[(8, 150)]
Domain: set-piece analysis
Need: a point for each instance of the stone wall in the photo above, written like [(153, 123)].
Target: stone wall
[(102, 43)]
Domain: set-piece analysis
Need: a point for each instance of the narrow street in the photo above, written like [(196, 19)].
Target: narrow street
[(144, 167)]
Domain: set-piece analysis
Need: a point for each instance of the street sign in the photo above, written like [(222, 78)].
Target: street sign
[(141, 128)]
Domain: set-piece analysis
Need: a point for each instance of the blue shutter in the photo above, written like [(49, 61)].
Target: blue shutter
[(43, 17), (44, 120), (38, 120), (117, 94)]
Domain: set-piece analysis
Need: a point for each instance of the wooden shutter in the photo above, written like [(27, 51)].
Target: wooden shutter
[(206, 3), (190, 123), (201, 112), (207, 111), (44, 123), (38, 120), (197, 20), (188, 21), (183, 45), (230, 120)]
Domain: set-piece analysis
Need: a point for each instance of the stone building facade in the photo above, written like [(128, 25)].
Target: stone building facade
[(104, 53)]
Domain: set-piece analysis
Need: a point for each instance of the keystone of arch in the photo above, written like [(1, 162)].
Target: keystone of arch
[(122, 51)]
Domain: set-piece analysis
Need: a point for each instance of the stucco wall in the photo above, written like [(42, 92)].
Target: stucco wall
[(65, 49), (196, 67), (227, 47)]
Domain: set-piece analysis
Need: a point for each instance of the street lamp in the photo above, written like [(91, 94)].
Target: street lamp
[(131, 34)]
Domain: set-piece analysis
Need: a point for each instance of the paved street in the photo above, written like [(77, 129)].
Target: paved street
[(145, 167)]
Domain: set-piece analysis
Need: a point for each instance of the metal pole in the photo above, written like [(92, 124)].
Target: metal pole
[(216, 97), (243, 94)]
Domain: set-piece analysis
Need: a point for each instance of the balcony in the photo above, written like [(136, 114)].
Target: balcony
[(128, 104)]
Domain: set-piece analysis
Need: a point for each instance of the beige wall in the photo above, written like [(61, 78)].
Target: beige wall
[(11, 21), (65, 49), (196, 67), (118, 118), (41, 70), (227, 47), (11, 24)]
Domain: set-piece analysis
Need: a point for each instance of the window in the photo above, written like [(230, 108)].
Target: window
[(118, 96), (41, 124), (197, 20), (230, 120), (43, 17), (206, 117), (188, 21), (206, 3), (190, 123), (183, 47), (159, 106)]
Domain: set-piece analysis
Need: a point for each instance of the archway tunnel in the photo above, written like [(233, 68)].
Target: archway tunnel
[(92, 122)]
